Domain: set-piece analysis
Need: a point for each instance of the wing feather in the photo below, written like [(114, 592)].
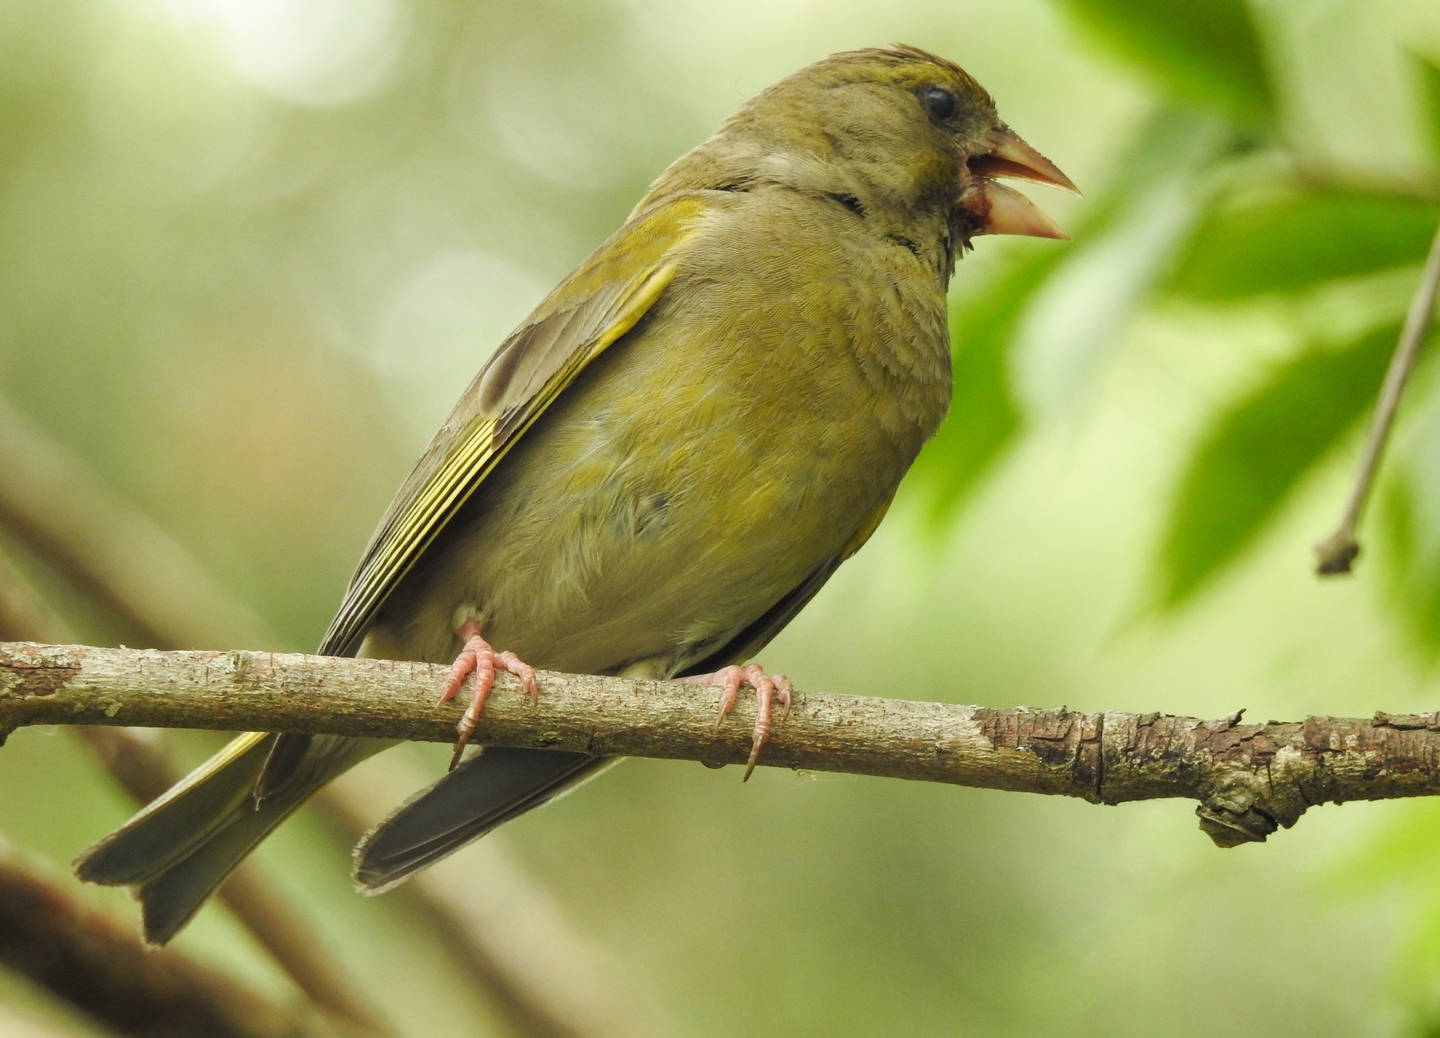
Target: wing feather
[(587, 313)]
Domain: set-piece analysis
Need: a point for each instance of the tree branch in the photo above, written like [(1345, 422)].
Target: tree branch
[(79, 954), (1249, 779)]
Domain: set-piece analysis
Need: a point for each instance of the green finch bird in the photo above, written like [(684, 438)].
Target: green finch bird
[(666, 460)]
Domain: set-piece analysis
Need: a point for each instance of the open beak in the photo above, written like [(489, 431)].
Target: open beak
[(1000, 209)]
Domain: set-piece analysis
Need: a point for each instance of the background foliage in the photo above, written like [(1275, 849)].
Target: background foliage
[(252, 251)]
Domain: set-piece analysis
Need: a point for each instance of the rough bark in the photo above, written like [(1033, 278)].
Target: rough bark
[(1249, 779)]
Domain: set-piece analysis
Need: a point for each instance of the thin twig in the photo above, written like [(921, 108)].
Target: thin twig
[(1336, 553)]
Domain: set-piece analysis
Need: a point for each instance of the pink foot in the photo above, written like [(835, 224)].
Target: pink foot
[(479, 656), (769, 690)]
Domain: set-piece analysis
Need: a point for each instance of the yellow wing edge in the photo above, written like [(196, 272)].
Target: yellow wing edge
[(480, 449)]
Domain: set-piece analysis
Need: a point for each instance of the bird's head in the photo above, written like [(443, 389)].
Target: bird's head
[(896, 133)]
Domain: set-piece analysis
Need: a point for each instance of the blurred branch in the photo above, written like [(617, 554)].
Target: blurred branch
[(58, 943), (62, 512), (518, 945), (527, 995), (143, 768), (57, 507), (24, 613), (1337, 553), (1249, 779)]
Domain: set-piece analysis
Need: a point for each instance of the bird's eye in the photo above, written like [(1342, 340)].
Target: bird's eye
[(940, 104)]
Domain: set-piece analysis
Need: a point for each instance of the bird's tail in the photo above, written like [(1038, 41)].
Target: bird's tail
[(489, 788), (176, 851)]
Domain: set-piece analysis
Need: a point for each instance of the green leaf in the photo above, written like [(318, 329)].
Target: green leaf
[(1206, 52), (1429, 75), (1256, 453), (1290, 241), (1414, 574), (984, 416), (1409, 532)]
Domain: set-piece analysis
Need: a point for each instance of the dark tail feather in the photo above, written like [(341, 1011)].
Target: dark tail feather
[(484, 791), (177, 850), (183, 819)]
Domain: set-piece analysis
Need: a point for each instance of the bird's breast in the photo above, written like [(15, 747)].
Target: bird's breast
[(758, 417)]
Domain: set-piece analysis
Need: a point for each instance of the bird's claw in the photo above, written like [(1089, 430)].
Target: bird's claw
[(769, 690), (480, 658)]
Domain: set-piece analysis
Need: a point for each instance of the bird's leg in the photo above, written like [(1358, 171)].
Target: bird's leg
[(479, 656), (769, 690)]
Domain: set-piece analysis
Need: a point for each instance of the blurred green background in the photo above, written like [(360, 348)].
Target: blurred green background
[(252, 250)]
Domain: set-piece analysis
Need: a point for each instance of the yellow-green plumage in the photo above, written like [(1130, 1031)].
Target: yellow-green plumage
[(632, 519), (668, 458)]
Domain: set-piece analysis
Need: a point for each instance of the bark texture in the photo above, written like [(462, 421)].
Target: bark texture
[(1248, 779)]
